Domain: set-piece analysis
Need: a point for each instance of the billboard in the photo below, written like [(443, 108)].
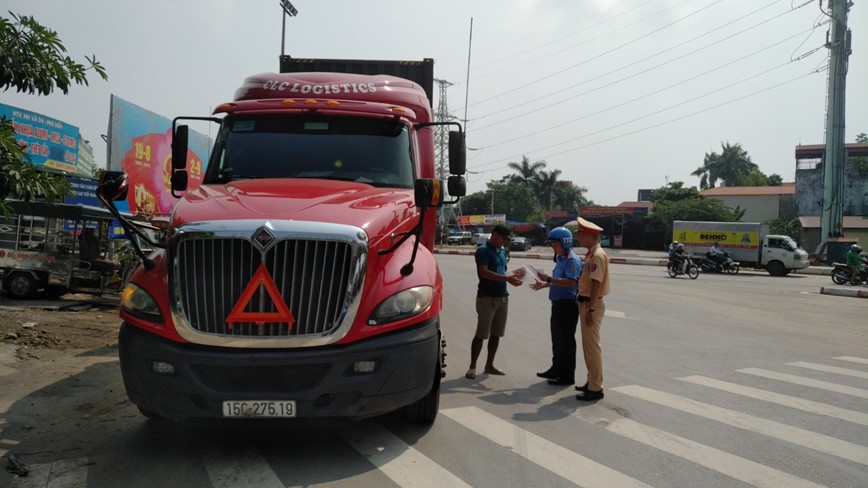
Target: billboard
[(141, 146), (50, 143)]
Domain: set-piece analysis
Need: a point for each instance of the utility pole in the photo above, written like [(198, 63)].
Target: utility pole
[(835, 157)]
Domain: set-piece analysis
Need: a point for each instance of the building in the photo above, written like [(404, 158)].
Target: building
[(86, 165), (760, 203), (810, 181)]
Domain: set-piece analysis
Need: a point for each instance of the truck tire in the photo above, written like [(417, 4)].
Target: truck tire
[(153, 416), (776, 268), (424, 410), (21, 286)]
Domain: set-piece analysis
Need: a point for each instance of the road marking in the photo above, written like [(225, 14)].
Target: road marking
[(785, 400), (66, 473), (831, 369), (809, 382), (852, 359), (399, 461), (777, 430), (723, 462), (239, 468), (559, 460)]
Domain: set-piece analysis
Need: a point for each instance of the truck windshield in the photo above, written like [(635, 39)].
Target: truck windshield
[(790, 244), (377, 152)]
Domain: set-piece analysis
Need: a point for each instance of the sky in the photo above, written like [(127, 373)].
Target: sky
[(618, 95)]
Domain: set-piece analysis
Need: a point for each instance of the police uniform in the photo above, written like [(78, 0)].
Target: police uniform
[(595, 272)]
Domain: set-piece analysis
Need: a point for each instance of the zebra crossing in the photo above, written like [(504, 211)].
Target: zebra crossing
[(407, 463)]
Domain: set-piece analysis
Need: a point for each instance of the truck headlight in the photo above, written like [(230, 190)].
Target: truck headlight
[(403, 304), (139, 303)]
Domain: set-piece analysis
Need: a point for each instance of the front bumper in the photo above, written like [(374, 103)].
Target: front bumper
[(321, 380)]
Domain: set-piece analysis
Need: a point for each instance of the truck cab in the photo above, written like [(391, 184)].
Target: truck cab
[(299, 279)]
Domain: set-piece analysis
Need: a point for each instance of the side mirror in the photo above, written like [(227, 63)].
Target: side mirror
[(457, 153), (180, 142), (457, 186), (179, 180), (429, 193), (113, 185)]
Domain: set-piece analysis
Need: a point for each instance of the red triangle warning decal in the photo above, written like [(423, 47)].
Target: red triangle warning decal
[(260, 277)]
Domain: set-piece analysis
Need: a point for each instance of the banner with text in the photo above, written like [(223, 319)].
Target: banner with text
[(50, 143)]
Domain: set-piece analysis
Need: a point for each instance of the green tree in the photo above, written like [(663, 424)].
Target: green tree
[(755, 177), (728, 166), (788, 227), (860, 164), (527, 171), (516, 200), (33, 61), (675, 202), (569, 197), (547, 182)]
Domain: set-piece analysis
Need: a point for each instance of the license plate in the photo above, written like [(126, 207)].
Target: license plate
[(259, 408)]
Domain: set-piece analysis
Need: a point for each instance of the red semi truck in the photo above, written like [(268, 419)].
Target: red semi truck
[(299, 279)]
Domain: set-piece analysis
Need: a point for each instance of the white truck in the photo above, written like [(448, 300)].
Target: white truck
[(749, 243)]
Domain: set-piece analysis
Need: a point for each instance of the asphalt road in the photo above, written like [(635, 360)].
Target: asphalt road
[(724, 381)]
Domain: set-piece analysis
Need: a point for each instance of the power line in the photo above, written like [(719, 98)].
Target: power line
[(513, 56), (655, 92), (550, 94), (653, 113), (599, 55)]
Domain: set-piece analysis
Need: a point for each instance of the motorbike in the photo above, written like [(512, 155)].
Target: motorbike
[(842, 275), (686, 266), (710, 265)]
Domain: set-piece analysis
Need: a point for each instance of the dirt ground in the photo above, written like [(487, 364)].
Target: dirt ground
[(39, 328)]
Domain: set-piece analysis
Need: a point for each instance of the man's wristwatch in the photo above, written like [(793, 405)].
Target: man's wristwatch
[(549, 280)]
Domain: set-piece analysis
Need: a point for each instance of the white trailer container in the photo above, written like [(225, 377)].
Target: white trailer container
[(749, 243)]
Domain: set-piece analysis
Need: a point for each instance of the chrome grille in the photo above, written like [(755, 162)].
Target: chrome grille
[(314, 278)]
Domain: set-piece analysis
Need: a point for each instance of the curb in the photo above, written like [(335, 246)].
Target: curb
[(641, 261), (844, 292), (811, 270)]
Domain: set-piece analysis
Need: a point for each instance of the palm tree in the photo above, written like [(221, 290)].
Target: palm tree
[(546, 184), (527, 171), (728, 166)]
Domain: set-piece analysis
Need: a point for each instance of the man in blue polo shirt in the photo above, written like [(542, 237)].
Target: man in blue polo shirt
[(492, 299)]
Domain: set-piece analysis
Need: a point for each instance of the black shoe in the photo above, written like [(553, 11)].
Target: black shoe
[(582, 388), (561, 381), (548, 374), (590, 396)]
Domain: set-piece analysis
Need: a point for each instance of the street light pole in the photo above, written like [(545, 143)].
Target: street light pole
[(288, 9)]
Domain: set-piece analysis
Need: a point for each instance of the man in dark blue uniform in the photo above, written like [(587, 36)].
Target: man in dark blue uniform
[(563, 289)]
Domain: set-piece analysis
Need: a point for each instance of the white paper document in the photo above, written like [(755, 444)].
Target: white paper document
[(532, 271)]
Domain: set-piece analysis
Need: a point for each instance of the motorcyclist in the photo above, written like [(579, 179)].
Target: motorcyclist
[(680, 256), (716, 254), (855, 263), (672, 254)]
